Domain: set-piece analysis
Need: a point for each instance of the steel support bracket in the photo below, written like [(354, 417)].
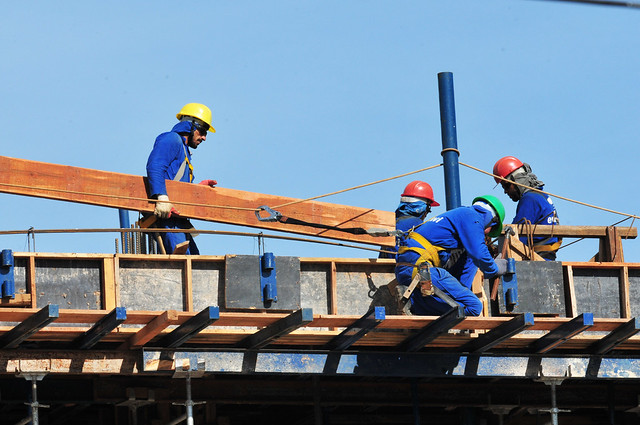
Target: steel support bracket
[(7, 281), (268, 283)]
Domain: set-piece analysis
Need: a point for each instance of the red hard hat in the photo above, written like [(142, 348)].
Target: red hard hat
[(505, 166), (419, 189)]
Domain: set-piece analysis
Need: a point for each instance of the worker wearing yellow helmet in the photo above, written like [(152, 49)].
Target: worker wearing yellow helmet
[(170, 159)]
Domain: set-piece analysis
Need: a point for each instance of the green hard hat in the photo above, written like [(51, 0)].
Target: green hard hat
[(498, 208)]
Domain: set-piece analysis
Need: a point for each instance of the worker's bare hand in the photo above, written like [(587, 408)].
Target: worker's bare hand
[(210, 183), (163, 207)]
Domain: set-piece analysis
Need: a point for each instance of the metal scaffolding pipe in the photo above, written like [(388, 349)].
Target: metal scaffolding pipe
[(449, 140)]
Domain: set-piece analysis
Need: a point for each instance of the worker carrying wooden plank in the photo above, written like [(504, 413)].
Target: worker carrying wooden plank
[(453, 244), (170, 159), (533, 207)]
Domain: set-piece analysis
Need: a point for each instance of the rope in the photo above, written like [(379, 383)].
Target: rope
[(357, 187), (32, 231), (555, 196)]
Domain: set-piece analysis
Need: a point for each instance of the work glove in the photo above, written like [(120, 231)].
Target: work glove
[(210, 183), (502, 266), (163, 207)]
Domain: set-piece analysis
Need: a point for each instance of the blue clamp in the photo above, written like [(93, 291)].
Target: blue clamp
[(510, 285), (7, 280), (268, 286)]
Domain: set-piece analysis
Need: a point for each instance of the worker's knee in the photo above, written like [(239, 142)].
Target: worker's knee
[(473, 307)]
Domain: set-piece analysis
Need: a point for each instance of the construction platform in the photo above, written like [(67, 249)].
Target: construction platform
[(129, 339)]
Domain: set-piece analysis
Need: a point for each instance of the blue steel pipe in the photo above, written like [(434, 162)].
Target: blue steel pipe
[(449, 140), (124, 224)]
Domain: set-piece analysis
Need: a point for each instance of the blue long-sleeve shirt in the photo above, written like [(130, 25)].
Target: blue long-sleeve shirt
[(166, 157), (461, 227), (538, 208)]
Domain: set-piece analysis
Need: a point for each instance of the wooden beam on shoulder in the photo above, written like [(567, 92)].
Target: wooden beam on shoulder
[(219, 204)]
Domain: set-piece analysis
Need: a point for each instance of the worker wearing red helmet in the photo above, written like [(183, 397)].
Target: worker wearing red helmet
[(533, 207), (415, 203)]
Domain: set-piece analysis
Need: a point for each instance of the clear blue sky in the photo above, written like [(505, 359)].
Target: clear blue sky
[(311, 97)]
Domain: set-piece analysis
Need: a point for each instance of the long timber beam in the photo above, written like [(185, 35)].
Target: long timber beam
[(221, 205)]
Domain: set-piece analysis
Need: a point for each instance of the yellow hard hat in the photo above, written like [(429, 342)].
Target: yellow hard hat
[(199, 111)]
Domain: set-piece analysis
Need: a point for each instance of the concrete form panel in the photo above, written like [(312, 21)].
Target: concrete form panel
[(597, 291), (207, 278), (540, 288), (20, 275), (69, 283), (314, 288), (151, 285), (359, 290), (242, 283)]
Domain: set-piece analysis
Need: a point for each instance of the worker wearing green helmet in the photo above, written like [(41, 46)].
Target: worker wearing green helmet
[(453, 244)]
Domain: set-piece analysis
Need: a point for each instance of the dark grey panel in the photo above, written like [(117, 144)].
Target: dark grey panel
[(540, 288), (242, 283), (597, 291)]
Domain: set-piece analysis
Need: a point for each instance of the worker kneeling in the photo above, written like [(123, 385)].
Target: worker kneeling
[(453, 245)]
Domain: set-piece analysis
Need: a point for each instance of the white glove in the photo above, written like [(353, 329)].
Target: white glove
[(163, 207), (502, 266)]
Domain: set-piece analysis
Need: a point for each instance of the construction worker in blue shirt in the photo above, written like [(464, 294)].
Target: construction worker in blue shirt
[(170, 159), (533, 207), (453, 244), (415, 203)]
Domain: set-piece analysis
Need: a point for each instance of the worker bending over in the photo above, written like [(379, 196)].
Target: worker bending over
[(533, 207), (415, 203), (453, 244), (170, 159)]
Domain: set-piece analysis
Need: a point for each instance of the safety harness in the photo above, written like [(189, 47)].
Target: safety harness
[(427, 251), (183, 167)]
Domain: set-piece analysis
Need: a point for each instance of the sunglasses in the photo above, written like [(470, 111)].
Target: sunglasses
[(202, 128)]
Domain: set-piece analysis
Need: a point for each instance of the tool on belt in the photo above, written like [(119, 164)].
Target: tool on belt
[(422, 280), (276, 216)]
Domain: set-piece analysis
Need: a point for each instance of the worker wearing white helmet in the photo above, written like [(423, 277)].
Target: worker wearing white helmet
[(170, 159)]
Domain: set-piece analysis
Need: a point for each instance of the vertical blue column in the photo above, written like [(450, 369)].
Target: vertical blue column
[(449, 140), (124, 224)]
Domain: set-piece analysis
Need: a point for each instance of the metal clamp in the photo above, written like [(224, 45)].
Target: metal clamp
[(273, 215)]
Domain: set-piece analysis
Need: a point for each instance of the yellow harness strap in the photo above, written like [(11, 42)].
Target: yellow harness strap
[(428, 252), (545, 248)]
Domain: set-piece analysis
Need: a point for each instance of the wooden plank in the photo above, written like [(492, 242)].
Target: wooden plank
[(187, 274), (31, 280), (108, 283), (626, 232), (625, 302), (333, 289), (222, 205), (570, 291), (151, 330), (20, 300)]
